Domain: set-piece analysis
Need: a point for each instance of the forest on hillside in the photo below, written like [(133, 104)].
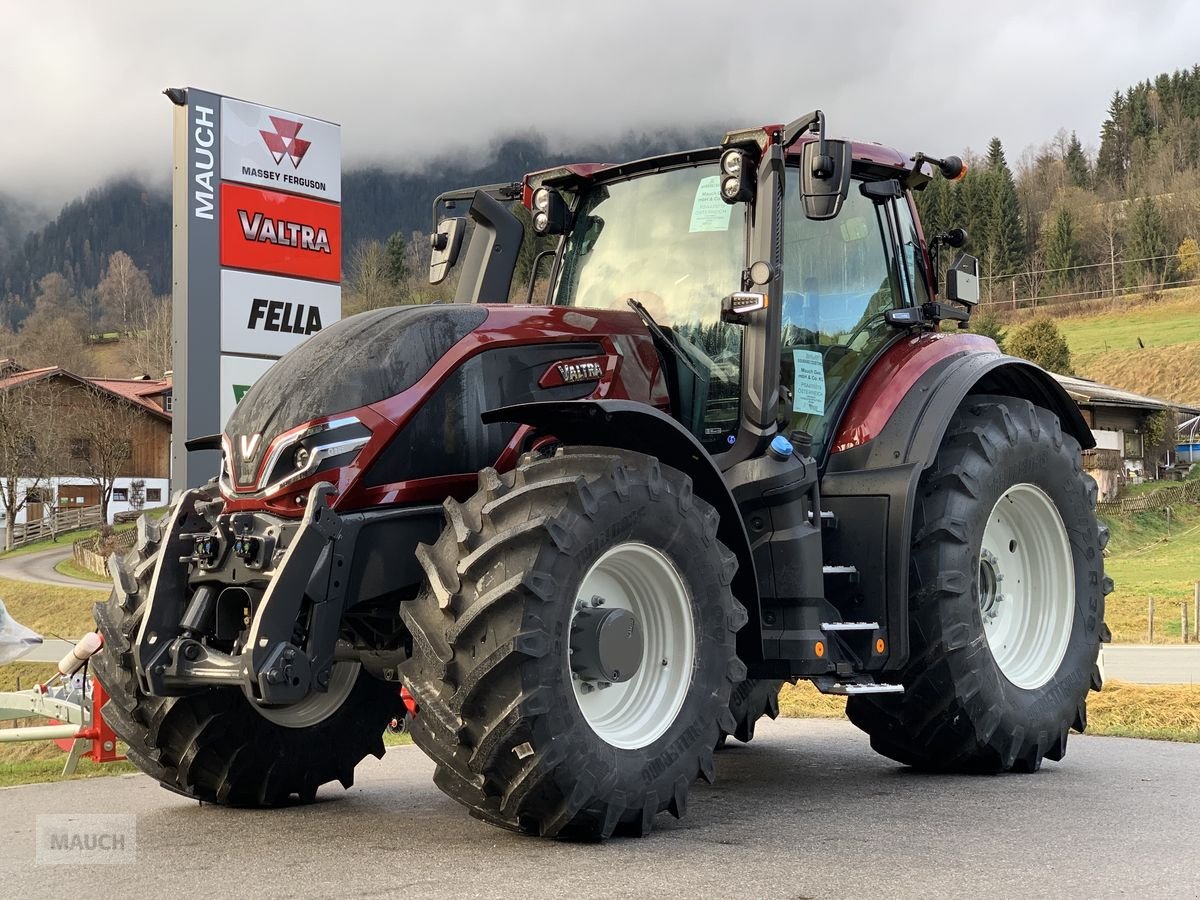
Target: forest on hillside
[(1060, 224), (124, 215)]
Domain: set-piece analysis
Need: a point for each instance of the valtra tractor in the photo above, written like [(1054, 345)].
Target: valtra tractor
[(586, 539)]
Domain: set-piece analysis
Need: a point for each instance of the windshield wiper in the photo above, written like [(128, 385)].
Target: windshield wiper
[(661, 336)]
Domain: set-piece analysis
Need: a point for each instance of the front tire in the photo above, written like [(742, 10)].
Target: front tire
[(514, 708), (1007, 599), (213, 745)]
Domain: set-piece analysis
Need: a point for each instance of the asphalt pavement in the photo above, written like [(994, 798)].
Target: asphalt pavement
[(1152, 664), (39, 566), (806, 811)]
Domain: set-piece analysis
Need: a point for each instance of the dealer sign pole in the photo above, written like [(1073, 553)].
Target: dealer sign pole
[(256, 255)]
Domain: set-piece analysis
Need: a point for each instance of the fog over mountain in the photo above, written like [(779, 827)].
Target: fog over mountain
[(415, 84)]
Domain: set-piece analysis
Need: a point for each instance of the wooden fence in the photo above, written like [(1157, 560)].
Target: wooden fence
[(68, 518), (92, 553), (1160, 499)]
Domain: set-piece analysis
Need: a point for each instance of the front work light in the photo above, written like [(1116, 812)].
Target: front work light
[(737, 176), (550, 212)]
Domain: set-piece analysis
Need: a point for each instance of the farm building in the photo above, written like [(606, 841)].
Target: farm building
[(1121, 422), (72, 442)]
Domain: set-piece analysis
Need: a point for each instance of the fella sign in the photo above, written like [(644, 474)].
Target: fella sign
[(257, 254)]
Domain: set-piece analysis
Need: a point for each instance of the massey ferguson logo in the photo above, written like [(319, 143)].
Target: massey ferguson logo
[(284, 142), (282, 232)]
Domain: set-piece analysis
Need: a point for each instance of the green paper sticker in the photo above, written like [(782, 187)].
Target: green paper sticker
[(709, 211), (808, 390)]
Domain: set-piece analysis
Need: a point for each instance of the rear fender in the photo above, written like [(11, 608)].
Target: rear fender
[(637, 427), (891, 433)]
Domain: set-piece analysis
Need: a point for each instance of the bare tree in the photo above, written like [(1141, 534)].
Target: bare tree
[(369, 284), (29, 447), (123, 290), (148, 349), (48, 340), (101, 440)]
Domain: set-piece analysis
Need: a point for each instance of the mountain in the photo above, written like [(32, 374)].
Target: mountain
[(127, 215)]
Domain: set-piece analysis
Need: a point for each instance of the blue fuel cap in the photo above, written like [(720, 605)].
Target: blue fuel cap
[(781, 447)]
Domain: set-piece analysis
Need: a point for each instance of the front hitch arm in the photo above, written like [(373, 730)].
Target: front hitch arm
[(271, 668)]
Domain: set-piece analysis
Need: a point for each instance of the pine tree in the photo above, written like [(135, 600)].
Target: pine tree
[(1060, 252), (1004, 235), (1079, 173), (1113, 159), (396, 267), (1148, 242)]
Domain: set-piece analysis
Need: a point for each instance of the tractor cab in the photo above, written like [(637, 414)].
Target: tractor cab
[(778, 265)]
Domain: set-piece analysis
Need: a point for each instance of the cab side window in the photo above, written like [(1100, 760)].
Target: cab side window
[(912, 255)]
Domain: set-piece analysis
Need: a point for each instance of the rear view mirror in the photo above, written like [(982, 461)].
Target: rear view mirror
[(962, 280), (824, 178), (446, 242)]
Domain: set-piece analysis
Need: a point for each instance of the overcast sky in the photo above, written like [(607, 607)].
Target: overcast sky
[(80, 81)]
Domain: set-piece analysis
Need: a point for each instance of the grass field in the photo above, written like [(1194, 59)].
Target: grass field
[(51, 610), (72, 569), (1147, 557), (1104, 344), (1158, 712)]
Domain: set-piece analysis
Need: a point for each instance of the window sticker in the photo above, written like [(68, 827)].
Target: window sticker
[(808, 391), (854, 228), (709, 211)]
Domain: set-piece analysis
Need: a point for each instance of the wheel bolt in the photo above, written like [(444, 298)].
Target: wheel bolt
[(585, 687), (597, 600)]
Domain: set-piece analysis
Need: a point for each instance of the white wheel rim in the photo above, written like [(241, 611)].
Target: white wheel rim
[(1026, 586), (317, 706), (642, 580)]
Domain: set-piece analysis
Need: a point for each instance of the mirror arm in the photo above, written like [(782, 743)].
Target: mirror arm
[(797, 127)]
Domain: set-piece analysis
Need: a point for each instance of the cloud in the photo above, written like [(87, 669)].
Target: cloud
[(414, 82)]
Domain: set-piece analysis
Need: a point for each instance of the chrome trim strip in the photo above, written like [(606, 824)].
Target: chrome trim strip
[(278, 446)]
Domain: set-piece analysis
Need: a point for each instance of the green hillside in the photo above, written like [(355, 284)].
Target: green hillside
[(1104, 345)]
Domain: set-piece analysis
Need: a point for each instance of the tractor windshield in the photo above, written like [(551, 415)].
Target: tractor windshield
[(667, 240)]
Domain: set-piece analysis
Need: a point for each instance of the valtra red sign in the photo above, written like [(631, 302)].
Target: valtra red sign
[(283, 234)]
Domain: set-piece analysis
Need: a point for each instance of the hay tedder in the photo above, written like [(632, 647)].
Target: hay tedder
[(736, 440)]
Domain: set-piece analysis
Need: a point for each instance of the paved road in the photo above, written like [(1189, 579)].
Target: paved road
[(806, 811), (1148, 664), (39, 567)]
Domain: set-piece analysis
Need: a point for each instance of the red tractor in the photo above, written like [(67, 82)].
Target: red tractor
[(592, 536)]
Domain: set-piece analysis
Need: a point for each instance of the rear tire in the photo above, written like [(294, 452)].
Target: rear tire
[(515, 737), (213, 745), (749, 702), (999, 667)]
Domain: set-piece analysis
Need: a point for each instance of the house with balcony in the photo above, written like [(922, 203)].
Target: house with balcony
[(87, 438), (1118, 420)]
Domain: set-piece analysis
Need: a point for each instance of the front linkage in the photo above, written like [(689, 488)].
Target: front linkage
[(242, 580)]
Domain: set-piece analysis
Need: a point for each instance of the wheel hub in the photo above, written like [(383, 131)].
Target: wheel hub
[(990, 578), (606, 645), (1026, 586)]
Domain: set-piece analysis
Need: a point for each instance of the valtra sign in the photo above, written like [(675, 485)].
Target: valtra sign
[(272, 232), (280, 150), (257, 254)]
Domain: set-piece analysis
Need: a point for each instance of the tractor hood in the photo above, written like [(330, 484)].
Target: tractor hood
[(357, 361)]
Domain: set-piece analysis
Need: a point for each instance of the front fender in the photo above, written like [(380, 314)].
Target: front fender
[(637, 427)]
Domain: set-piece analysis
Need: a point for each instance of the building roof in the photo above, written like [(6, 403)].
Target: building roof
[(139, 391), (1084, 390)]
